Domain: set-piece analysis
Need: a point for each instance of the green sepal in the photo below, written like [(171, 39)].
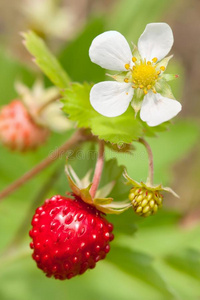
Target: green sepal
[(163, 63), (135, 52), (147, 186), (85, 194), (115, 208), (119, 76), (102, 201), (170, 77), (82, 193), (103, 204), (105, 190), (136, 102), (164, 88)]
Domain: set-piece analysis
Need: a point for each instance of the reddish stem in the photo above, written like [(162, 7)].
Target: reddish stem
[(98, 170), (74, 141), (150, 158)]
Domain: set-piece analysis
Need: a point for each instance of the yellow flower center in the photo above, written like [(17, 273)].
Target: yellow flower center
[(144, 74)]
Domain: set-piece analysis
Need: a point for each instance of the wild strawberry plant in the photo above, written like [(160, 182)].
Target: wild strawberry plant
[(101, 124)]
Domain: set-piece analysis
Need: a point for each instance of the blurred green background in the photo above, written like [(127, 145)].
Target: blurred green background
[(157, 258)]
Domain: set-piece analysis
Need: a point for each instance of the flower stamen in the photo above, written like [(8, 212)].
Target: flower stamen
[(134, 59), (127, 66), (144, 75), (155, 60), (162, 68)]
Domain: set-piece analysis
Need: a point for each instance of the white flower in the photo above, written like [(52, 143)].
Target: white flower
[(142, 74)]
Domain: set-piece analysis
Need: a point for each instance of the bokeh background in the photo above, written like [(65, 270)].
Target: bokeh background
[(157, 258)]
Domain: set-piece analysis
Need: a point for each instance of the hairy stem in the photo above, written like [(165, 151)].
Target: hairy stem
[(74, 141), (98, 169), (150, 158)]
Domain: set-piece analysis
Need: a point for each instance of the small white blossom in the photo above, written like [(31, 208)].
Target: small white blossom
[(142, 74)]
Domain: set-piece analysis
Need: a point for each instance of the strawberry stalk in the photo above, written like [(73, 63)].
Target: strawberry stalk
[(150, 158), (78, 138), (98, 170)]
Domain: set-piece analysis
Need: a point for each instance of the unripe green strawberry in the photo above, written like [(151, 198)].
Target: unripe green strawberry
[(145, 202)]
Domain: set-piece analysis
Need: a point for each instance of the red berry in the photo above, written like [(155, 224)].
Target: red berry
[(18, 131), (69, 237)]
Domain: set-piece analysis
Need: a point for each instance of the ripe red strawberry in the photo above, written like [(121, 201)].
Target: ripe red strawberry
[(69, 237), (18, 131)]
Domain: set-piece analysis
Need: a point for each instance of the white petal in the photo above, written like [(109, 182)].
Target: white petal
[(157, 109), (110, 50), (111, 98), (156, 41)]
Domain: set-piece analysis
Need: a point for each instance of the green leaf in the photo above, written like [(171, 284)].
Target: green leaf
[(122, 129), (77, 105), (174, 252), (187, 261), (117, 130), (139, 265), (45, 60), (153, 131)]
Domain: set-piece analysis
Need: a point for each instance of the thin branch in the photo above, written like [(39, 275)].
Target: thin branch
[(98, 169), (150, 158), (23, 228), (74, 141)]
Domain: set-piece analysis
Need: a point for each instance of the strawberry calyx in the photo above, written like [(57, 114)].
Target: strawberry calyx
[(44, 106), (82, 187), (145, 198)]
